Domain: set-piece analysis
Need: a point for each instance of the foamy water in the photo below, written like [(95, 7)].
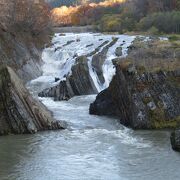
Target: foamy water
[(92, 147), (61, 55)]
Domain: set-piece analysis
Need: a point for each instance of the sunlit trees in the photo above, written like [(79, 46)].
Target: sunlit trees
[(130, 15)]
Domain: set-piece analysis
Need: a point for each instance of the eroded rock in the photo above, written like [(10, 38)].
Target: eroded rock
[(99, 59), (19, 112), (148, 100), (78, 83)]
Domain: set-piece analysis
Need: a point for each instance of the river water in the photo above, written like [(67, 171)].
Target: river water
[(92, 148)]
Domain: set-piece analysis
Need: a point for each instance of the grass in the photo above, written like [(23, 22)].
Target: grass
[(155, 55), (168, 124), (174, 37)]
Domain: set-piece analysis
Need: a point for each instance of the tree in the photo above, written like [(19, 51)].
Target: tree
[(26, 15)]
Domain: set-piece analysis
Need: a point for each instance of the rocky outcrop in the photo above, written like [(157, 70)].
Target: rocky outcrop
[(99, 59), (141, 100), (118, 51), (79, 82), (175, 140), (19, 112), (22, 52), (145, 92)]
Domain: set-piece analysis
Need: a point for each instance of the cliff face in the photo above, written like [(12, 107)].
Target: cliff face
[(22, 52), (141, 100), (19, 112), (145, 92)]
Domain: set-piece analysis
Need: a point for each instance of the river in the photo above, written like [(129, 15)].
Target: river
[(91, 148)]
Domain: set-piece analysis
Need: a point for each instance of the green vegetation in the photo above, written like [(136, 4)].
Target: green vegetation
[(159, 122), (173, 38), (155, 16), (166, 22)]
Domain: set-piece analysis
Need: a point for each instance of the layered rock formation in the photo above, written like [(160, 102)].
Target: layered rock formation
[(78, 83), (141, 100), (19, 112), (22, 52), (99, 58), (145, 92)]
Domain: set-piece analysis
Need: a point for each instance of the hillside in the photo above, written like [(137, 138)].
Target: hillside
[(24, 29), (122, 16)]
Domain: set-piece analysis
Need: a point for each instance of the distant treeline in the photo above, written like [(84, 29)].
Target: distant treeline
[(58, 3), (132, 15)]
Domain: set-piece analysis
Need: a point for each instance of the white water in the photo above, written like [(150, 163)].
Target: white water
[(58, 62), (124, 41), (96, 148), (93, 147)]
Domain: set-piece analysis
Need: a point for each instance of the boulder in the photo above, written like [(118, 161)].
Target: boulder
[(118, 51), (20, 113), (175, 140)]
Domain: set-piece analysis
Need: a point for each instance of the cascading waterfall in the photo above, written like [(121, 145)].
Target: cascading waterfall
[(60, 56)]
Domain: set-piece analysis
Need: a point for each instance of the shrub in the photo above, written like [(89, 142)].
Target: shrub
[(168, 22), (153, 30)]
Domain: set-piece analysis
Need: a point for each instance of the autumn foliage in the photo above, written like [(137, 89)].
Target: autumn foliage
[(24, 15), (124, 15), (82, 14)]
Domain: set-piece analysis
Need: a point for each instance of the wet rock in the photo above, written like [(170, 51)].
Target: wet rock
[(89, 45), (78, 83), (62, 34), (99, 59), (56, 79), (97, 49), (175, 140), (118, 51), (19, 112), (68, 43)]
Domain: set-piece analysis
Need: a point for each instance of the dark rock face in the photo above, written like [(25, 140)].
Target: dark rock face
[(141, 100), (19, 112), (78, 83), (118, 51), (175, 140), (99, 58)]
